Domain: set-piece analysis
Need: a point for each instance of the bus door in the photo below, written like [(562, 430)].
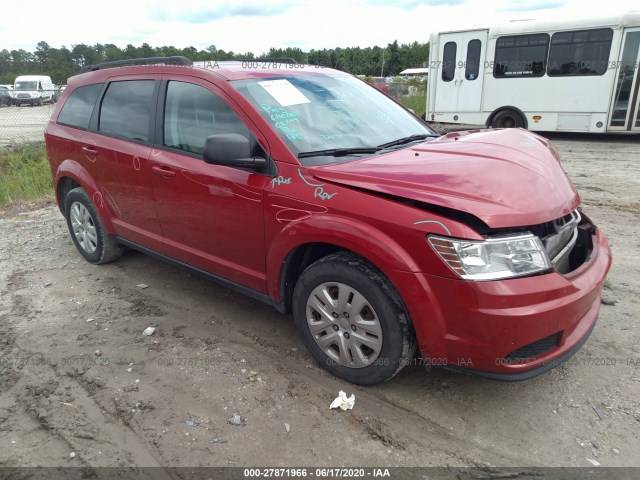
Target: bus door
[(625, 105), (459, 86)]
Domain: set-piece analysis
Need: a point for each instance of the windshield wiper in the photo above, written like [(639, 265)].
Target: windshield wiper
[(409, 139), (341, 152), (338, 152)]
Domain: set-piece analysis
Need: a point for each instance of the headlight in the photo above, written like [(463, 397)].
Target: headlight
[(494, 258)]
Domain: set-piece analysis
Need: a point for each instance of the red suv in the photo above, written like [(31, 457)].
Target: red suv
[(310, 190), (381, 84)]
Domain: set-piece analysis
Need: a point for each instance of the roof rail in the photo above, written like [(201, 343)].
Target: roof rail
[(267, 60), (176, 60)]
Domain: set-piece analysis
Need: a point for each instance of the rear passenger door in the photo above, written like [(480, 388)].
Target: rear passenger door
[(118, 147), (211, 215)]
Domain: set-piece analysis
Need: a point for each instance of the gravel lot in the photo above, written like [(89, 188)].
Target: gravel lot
[(23, 124), (78, 376)]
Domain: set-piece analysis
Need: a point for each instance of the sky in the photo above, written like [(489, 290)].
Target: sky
[(256, 25)]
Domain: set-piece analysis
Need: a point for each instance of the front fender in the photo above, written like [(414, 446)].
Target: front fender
[(75, 171), (359, 237)]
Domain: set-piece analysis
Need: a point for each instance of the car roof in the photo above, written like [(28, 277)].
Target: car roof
[(239, 70), (225, 70)]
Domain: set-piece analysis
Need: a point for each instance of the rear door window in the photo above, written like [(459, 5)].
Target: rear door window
[(126, 109)]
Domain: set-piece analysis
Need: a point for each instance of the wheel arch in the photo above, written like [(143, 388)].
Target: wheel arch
[(504, 108), (64, 186), (299, 245), (69, 175)]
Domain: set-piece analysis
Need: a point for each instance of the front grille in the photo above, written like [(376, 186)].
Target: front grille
[(530, 352), (563, 232), (559, 239)]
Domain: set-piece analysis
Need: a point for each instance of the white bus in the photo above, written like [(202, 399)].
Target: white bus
[(573, 76)]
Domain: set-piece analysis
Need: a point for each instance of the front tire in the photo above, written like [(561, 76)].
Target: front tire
[(352, 320), (86, 229)]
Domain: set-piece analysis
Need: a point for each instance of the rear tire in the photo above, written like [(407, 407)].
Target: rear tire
[(352, 319), (507, 119), (86, 229)]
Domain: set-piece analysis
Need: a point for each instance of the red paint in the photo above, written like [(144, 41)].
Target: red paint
[(242, 225)]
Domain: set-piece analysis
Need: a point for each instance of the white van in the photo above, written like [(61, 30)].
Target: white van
[(33, 90)]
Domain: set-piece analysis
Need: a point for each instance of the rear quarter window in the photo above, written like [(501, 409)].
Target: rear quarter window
[(78, 108)]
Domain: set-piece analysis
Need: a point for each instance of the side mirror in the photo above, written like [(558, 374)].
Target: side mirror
[(231, 150)]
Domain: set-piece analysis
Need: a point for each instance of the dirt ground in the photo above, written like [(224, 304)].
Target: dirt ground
[(80, 385)]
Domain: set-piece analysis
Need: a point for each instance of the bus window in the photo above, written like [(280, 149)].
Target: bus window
[(521, 56), (584, 52), (472, 66), (449, 61)]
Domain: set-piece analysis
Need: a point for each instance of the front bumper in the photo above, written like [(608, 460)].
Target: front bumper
[(509, 329), (27, 100)]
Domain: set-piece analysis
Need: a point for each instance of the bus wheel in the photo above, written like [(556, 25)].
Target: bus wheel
[(507, 119)]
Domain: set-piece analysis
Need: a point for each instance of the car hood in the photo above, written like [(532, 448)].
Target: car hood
[(506, 177)]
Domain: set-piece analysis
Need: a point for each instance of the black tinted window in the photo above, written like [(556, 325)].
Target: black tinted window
[(584, 52), (192, 113), (472, 65), (449, 61), (78, 108), (125, 109), (521, 56)]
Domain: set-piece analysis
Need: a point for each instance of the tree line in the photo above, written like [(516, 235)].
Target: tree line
[(62, 63)]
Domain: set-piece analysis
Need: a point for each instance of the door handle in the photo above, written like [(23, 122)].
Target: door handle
[(163, 171), (90, 151)]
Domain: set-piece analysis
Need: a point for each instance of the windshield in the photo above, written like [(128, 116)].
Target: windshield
[(26, 86), (319, 114)]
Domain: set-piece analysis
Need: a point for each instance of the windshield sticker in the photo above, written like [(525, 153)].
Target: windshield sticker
[(283, 120), (436, 222), (284, 92)]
